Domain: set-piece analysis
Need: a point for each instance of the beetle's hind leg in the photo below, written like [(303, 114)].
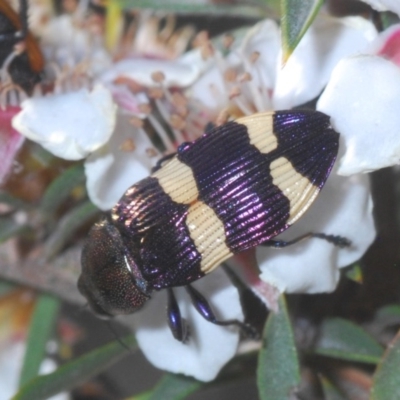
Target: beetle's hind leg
[(336, 240), (204, 309)]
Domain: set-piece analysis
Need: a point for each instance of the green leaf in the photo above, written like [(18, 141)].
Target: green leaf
[(343, 339), (75, 372), (40, 330), (278, 373), (354, 272), (391, 311), (58, 191), (296, 18), (330, 392), (15, 202), (68, 225), (191, 7), (388, 19), (141, 396), (386, 379), (10, 228), (174, 387)]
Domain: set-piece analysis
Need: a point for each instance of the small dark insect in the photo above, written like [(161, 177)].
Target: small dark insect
[(235, 188), (25, 68)]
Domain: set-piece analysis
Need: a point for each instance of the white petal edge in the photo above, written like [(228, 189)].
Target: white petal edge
[(363, 100), (110, 171), (70, 125), (344, 208), (176, 73), (209, 347), (308, 69)]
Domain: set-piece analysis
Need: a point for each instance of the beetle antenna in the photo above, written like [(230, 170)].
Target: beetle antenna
[(116, 335)]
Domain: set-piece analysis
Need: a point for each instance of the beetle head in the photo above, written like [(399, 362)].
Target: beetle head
[(110, 280)]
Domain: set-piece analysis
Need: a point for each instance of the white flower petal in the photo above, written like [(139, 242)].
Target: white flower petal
[(264, 39), (70, 125), (210, 90), (384, 5), (386, 44), (110, 170), (176, 73), (363, 100), (65, 42), (308, 69), (209, 347), (343, 208)]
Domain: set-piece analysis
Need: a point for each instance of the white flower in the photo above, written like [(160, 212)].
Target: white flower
[(362, 98), (312, 265), (125, 159), (249, 79), (71, 125), (308, 69), (271, 85), (344, 207), (209, 346)]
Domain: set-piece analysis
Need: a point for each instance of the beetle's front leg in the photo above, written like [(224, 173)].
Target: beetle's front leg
[(176, 323)]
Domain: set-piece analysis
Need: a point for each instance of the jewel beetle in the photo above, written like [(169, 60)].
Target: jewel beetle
[(27, 67), (236, 187)]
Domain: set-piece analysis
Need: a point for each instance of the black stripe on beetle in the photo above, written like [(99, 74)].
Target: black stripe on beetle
[(236, 187)]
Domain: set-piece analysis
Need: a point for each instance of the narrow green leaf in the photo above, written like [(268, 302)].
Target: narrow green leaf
[(296, 18), (174, 387), (40, 330), (278, 373), (330, 392), (141, 396), (191, 7), (75, 372), (391, 311), (60, 189), (68, 225), (343, 339), (10, 228), (386, 379)]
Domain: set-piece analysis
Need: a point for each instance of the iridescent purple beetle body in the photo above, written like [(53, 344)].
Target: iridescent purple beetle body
[(236, 187)]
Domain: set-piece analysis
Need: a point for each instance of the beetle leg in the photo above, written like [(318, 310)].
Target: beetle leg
[(23, 18), (161, 161), (204, 309), (176, 323), (336, 240)]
